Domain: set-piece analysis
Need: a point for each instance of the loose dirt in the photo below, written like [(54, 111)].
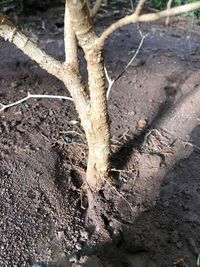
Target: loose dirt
[(154, 221)]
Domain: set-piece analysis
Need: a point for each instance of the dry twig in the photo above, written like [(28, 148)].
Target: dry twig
[(143, 18), (3, 107), (95, 8), (169, 3), (111, 82)]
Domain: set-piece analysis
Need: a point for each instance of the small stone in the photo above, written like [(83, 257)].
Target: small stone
[(179, 245), (84, 234), (60, 234), (72, 259), (185, 208), (68, 139), (142, 124), (92, 261), (78, 246), (15, 84)]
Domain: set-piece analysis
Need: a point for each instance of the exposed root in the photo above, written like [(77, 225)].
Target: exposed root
[(163, 146)]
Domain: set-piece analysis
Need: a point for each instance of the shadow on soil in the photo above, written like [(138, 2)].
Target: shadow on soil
[(165, 234), (121, 157)]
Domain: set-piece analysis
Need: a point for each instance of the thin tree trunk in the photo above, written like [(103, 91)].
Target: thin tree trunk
[(98, 133), (99, 137)]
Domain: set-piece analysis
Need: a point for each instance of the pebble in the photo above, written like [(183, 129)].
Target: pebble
[(179, 244), (60, 235), (84, 234), (142, 124), (72, 259), (78, 246), (15, 84)]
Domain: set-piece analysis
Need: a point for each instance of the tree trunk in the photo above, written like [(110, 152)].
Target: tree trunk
[(94, 120), (99, 135), (98, 132)]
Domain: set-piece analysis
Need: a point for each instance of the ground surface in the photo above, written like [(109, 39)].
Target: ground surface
[(43, 154)]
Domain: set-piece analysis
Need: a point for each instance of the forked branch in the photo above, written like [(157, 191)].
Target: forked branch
[(143, 18), (3, 106), (64, 72), (111, 82), (81, 23)]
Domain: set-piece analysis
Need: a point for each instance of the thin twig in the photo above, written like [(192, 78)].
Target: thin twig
[(132, 6), (111, 82), (149, 133), (3, 107), (169, 3), (190, 32), (121, 196), (139, 7), (95, 8), (143, 18), (133, 58)]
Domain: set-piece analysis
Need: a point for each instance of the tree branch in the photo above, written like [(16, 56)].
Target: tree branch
[(139, 7), (95, 8), (169, 3), (71, 53), (3, 107), (82, 24), (9, 32), (64, 72), (143, 18), (111, 82), (98, 135)]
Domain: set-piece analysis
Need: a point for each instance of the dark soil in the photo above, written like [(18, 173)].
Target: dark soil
[(154, 221)]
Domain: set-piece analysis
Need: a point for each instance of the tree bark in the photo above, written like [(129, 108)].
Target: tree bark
[(71, 46), (98, 136)]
